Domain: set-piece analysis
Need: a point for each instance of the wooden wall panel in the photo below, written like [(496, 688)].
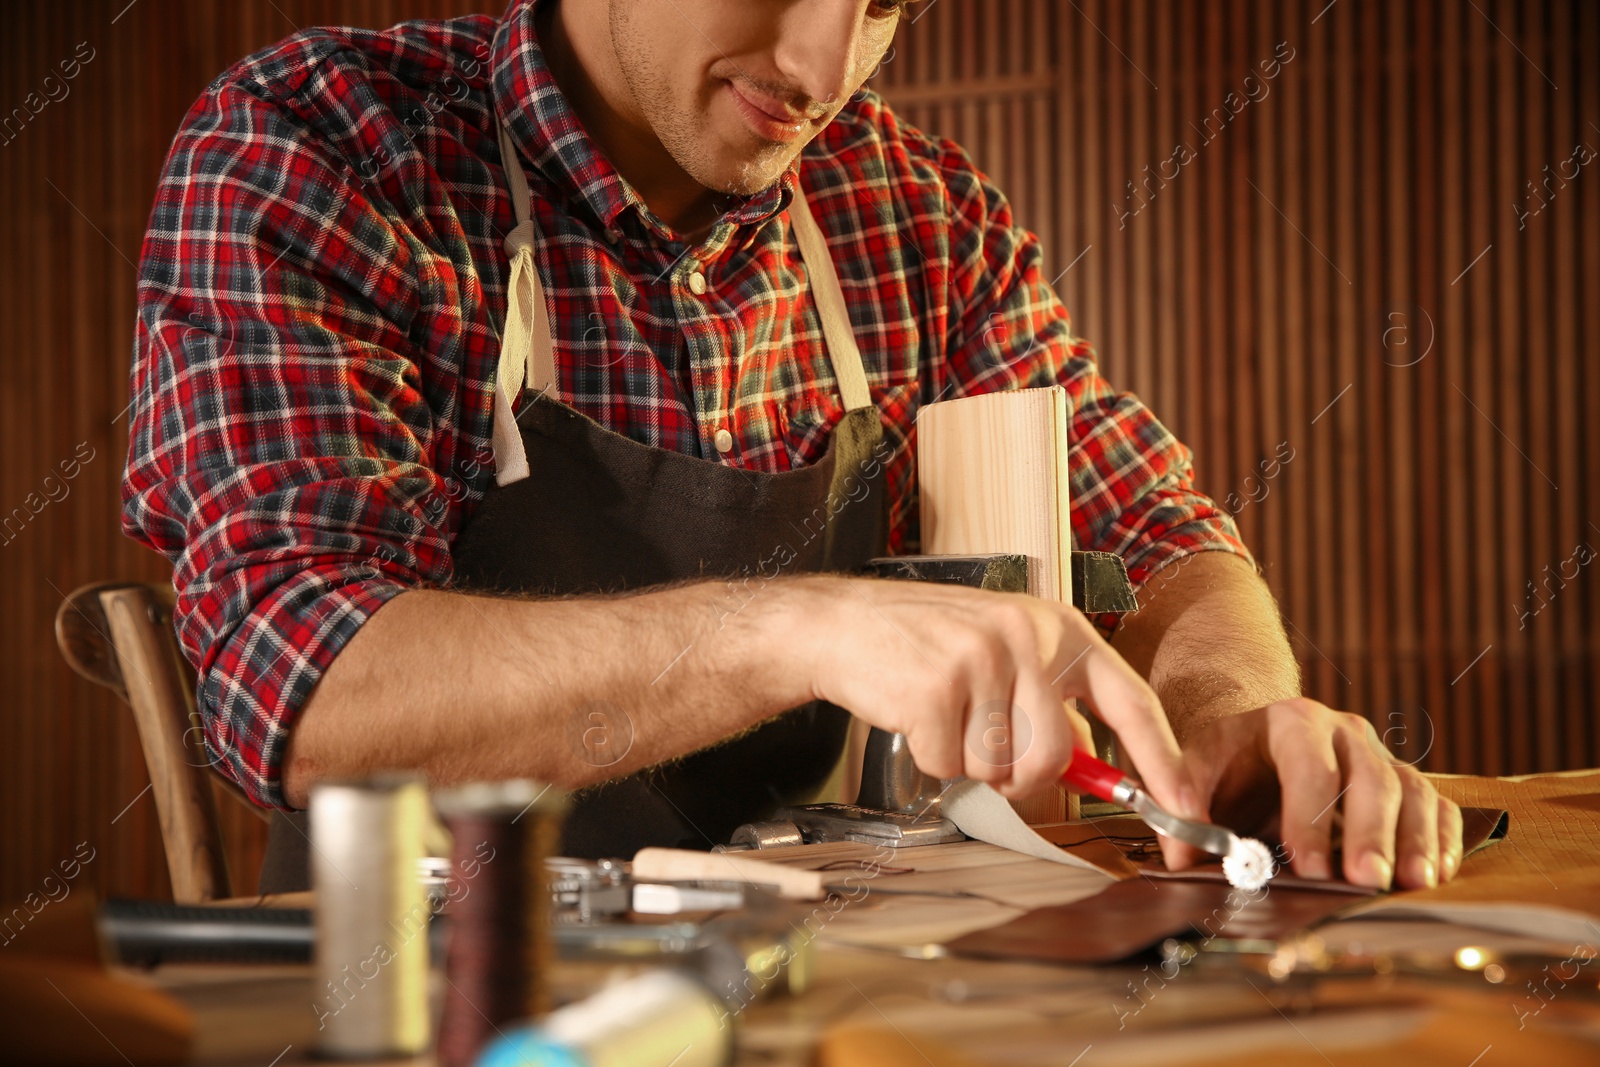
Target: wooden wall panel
[(77, 181), (1340, 270)]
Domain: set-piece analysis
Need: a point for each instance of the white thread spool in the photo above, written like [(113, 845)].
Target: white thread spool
[(371, 918)]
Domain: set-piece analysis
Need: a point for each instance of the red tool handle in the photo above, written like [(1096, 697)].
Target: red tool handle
[(1086, 774)]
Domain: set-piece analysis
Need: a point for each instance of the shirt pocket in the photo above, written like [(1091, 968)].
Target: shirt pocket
[(806, 422)]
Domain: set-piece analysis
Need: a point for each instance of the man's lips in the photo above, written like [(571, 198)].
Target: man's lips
[(770, 119)]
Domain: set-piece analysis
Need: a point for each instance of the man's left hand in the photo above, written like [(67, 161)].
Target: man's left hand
[(1295, 770)]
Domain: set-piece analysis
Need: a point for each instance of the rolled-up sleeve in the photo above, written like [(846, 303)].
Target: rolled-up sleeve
[(1133, 489), (281, 446)]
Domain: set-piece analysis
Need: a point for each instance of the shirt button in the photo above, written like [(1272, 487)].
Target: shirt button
[(697, 284), (724, 440), (613, 234)]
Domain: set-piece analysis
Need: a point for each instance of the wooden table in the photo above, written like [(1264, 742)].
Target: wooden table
[(881, 1007)]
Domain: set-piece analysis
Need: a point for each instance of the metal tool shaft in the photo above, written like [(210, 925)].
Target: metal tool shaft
[(1088, 774)]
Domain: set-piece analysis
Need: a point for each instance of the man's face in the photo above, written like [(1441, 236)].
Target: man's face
[(734, 89)]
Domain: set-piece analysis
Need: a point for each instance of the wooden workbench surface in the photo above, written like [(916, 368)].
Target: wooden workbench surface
[(949, 1011), (885, 1007)]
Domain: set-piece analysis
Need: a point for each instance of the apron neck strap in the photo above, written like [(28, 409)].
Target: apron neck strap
[(521, 199), (834, 314), (521, 336), (527, 348)]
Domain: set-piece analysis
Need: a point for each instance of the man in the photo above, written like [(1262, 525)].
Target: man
[(622, 312)]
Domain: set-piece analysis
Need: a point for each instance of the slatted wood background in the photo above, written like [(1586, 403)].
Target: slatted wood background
[(77, 182), (1320, 239), (1344, 294)]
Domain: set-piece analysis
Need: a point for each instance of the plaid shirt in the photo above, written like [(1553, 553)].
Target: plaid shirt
[(322, 288)]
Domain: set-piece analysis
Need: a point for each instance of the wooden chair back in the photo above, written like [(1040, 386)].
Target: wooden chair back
[(120, 635)]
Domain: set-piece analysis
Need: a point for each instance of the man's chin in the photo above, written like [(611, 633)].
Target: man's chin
[(747, 188), (744, 175)]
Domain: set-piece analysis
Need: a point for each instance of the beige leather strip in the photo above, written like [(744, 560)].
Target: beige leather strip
[(510, 456), (831, 309), (528, 307), (983, 814)]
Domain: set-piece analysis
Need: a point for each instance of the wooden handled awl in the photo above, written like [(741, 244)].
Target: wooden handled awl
[(683, 865)]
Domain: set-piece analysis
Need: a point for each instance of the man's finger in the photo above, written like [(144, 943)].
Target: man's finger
[(935, 736), (1371, 807), (1082, 732), (998, 730), (1126, 703), (1042, 755), (1311, 785), (1449, 838), (1101, 678), (1417, 834)]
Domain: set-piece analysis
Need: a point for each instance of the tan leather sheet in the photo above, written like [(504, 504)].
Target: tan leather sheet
[(1543, 881), (1551, 856)]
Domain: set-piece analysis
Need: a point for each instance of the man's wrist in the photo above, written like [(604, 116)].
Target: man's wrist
[(1211, 643), (777, 634), (1195, 700)]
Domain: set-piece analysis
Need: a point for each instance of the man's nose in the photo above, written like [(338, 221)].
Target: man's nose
[(819, 45)]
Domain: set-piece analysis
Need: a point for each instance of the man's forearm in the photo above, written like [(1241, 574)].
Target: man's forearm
[(1209, 639), (570, 691), (576, 691)]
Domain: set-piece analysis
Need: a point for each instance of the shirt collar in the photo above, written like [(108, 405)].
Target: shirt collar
[(550, 136)]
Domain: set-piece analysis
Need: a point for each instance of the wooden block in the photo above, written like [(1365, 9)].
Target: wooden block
[(992, 477)]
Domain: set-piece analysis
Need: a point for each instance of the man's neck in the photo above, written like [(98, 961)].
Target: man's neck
[(576, 42)]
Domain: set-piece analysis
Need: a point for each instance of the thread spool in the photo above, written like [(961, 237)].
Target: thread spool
[(500, 949), (371, 918), (659, 1018)]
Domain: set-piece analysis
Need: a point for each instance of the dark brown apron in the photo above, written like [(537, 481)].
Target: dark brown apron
[(578, 508)]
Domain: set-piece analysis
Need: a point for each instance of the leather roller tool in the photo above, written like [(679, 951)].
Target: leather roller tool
[(1247, 863)]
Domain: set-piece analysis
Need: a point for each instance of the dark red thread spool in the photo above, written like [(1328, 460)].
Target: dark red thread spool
[(499, 954)]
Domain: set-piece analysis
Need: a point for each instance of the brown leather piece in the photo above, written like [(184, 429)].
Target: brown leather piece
[(1136, 914), (1139, 912), (1107, 847)]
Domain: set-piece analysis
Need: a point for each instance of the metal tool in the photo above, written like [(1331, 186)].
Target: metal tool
[(747, 944), (814, 823), (588, 891), (898, 805), (891, 780), (145, 933), (1247, 862)]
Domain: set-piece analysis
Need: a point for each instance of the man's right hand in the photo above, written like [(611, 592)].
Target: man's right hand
[(978, 681), (462, 688)]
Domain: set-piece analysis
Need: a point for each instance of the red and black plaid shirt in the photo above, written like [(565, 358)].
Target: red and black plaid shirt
[(321, 294)]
